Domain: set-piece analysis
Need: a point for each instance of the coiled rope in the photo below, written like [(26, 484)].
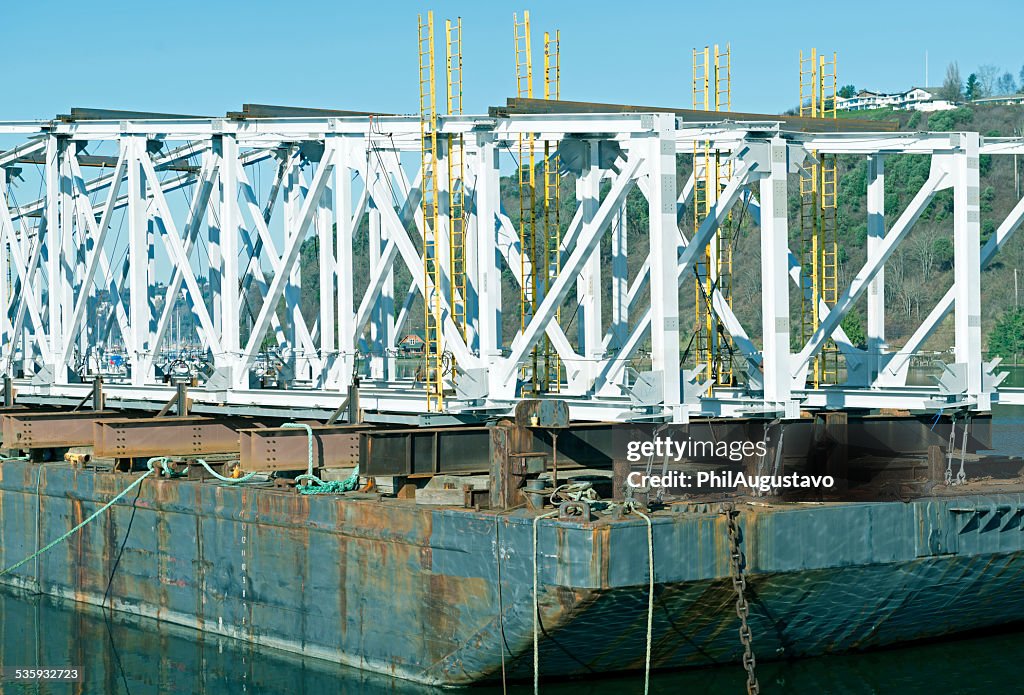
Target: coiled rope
[(105, 507), (317, 486)]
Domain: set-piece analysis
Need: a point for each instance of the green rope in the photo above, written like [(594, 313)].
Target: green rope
[(165, 465), (317, 486), (92, 516), (245, 478)]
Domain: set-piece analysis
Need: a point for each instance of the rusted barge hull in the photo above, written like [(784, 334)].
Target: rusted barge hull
[(435, 595)]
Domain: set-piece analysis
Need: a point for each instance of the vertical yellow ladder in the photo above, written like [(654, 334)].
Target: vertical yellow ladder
[(456, 180), (432, 310), (819, 189), (552, 260), (703, 181), (529, 269), (829, 188), (724, 236), (712, 91)]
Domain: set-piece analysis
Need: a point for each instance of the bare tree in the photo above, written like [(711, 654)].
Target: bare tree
[(922, 249), (1006, 84), (952, 87), (987, 76)]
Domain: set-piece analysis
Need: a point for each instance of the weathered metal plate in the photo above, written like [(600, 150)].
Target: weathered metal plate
[(166, 436), (287, 449), (35, 430), (424, 451)]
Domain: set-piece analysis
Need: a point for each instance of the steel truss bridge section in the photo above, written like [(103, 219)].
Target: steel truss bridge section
[(176, 188)]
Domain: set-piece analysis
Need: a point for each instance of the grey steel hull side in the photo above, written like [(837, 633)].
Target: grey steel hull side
[(414, 592)]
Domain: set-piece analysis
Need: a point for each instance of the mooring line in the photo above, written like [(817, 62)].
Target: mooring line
[(536, 607), (79, 527), (633, 508)]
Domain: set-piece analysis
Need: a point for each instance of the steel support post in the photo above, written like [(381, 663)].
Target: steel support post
[(471, 249), (876, 288), (661, 172), (215, 217), (138, 260), (620, 278), (229, 237), (774, 283), (488, 209), (616, 336), (967, 261), (293, 287), (68, 254), (343, 240), (52, 245), (382, 318), (588, 288), (6, 275)]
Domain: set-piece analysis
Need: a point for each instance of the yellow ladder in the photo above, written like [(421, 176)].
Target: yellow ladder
[(809, 84), (808, 255), (432, 309), (819, 191), (703, 178), (724, 237), (552, 260), (529, 269), (829, 232), (712, 90), (456, 180)]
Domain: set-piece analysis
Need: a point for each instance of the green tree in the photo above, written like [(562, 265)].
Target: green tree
[(1007, 337), (942, 249), (971, 93), (847, 91), (853, 326)]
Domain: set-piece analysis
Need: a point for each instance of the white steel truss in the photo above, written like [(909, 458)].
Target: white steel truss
[(178, 221)]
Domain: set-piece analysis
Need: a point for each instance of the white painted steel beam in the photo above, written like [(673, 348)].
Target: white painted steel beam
[(63, 249)]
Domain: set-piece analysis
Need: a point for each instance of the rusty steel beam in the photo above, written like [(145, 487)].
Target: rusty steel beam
[(165, 436), (468, 449), (425, 451), (49, 430), (287, 449)]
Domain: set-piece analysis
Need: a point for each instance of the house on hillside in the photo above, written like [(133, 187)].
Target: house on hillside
[(1009, 99), (412, 345), (914, 99)]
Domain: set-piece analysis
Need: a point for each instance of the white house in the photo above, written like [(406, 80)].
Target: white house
[(1017, 99), (914, 99)]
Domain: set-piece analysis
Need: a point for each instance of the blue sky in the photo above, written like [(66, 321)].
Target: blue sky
[(209, 57)]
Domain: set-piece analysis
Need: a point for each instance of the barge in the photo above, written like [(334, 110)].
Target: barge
[(440, 590)]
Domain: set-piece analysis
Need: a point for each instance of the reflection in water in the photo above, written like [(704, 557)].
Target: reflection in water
[(123, 654)]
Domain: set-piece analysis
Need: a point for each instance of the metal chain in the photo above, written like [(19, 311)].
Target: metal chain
[(739, 583)]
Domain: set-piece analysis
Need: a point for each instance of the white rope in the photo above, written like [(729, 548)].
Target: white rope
[(536, 608), (650, 595)]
